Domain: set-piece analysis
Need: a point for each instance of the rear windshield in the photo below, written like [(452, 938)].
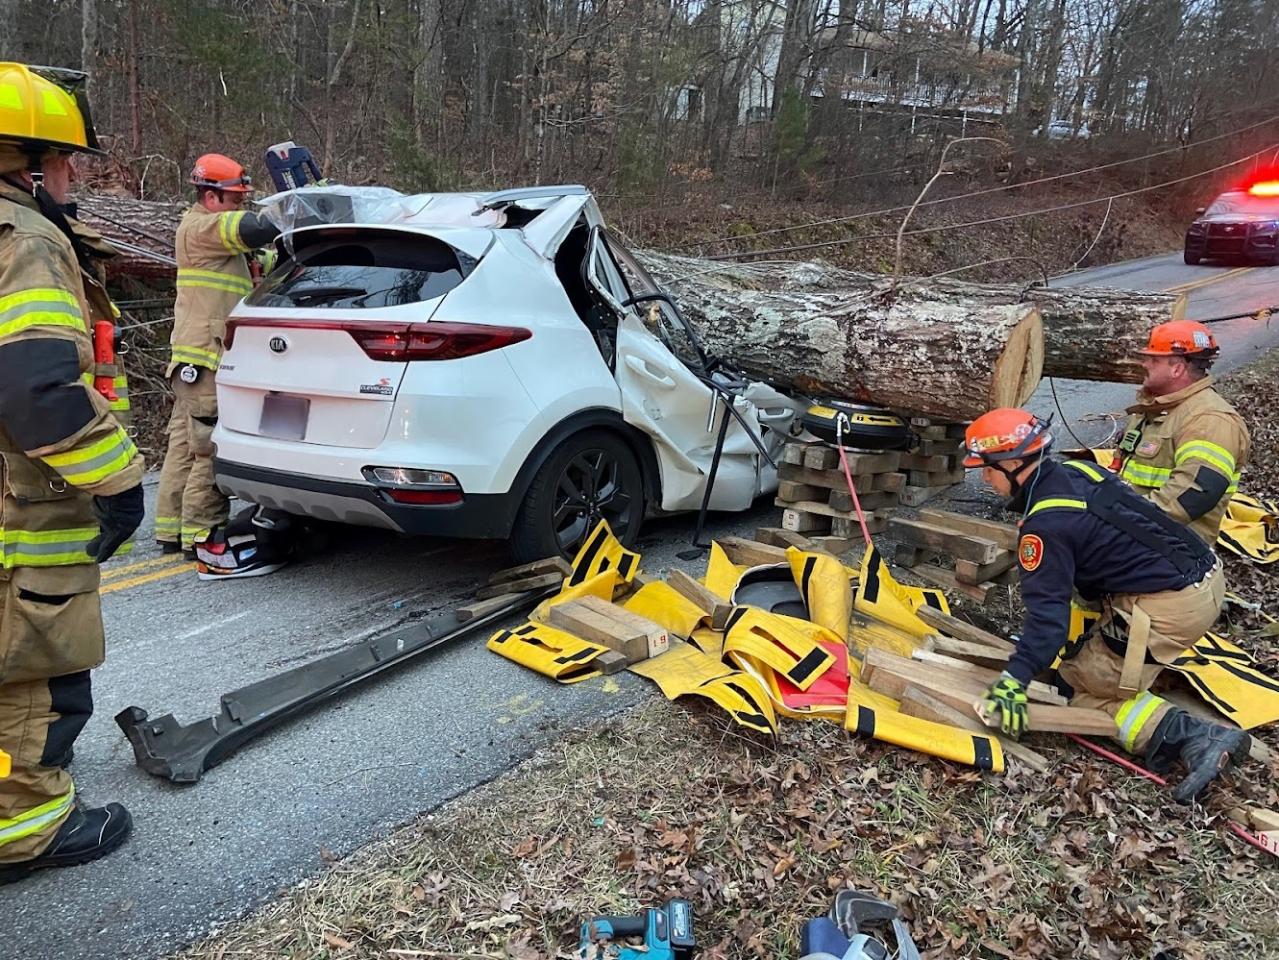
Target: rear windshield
[(364, 274), (1245, 204)]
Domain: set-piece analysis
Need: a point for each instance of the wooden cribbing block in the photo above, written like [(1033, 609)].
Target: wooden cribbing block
[(961, 629), (540, 582), (482, 608), (939, 446), (777, 537), (891, 674), (1004, 534), (912, 496), (599, 621), (916, 702), (749, 553), (1255, 818), (904, 555), (921, 461), (823, 457), (876, 522), (805, 521), (836, 545), (535, 569), (793, 453), (978, 652), (611, 662), (959, 545), (935, 478), (875, 500), (974, 573), (697, 594), (1039, 692), (789, 491), (947, 580)]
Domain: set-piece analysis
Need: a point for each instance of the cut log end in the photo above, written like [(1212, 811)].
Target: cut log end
[(1020, 367)]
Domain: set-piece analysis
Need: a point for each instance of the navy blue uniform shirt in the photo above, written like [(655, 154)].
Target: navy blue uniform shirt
[(1064, 546)]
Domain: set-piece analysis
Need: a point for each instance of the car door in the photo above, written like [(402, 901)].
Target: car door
[(666, 399)]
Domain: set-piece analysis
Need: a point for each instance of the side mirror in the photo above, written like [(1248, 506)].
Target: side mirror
[(1200, 211)]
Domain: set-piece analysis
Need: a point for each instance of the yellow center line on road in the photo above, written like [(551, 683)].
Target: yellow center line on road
[(1206, 281), (115, 573), (160, 574)]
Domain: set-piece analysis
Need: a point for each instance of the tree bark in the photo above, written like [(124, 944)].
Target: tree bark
[(1089, 333), (950, 356)]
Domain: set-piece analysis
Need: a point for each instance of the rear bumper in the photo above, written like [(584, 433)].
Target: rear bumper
[(478, 516)]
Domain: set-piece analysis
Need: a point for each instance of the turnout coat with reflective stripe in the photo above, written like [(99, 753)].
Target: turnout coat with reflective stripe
[(213, 276), (1187, 451), (59, 443), (1065, 546)]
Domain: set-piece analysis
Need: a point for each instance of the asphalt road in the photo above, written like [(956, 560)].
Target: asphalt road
[(346, 773)]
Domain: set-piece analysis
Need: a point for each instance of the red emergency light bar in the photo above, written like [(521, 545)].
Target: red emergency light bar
[(1265, 188)]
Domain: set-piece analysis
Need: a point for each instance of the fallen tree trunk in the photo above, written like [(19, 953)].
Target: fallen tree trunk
[(1089, 333), (144, 226), (947, 355)]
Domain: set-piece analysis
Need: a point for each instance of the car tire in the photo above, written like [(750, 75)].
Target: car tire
[(1191, 259), (590, 476)]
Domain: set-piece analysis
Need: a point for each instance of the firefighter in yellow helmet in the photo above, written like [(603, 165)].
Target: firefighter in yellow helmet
[(214, 242), (1183, 446), (72, 490)]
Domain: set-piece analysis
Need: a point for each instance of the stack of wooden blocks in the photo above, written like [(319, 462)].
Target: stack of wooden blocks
[(983, 552), (814, 497), (934, 465)]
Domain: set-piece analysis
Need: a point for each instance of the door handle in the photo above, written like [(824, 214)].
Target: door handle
[(641, 367)]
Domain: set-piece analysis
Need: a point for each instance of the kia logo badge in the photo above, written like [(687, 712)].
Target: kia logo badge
[(278, 344)]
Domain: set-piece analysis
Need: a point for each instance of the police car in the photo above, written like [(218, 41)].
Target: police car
[(1240, 224)]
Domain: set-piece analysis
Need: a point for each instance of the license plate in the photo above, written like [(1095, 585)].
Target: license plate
[(284, 417)]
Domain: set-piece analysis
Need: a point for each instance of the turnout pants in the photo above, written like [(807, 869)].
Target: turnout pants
[(1171, 622), (41, 716), (189, 505)]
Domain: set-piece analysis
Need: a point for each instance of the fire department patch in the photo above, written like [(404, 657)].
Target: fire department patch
[(1030, 551)]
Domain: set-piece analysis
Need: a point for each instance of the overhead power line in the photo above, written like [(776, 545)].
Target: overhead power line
[(981, 193), (988, 220)]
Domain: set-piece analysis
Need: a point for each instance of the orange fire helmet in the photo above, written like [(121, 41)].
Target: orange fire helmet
[(220, 173), (1181, 338), (1005, 434)]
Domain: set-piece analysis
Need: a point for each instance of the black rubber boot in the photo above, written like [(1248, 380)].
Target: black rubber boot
[(168, 546), (1205, 748), (85, 836)]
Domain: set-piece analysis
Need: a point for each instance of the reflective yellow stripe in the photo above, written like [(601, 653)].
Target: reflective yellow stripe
[(1089, 470), (121, 401), (191, 277), (1144, 475), (36, 819), (39, 307), (1051, 503), (229, 231), (1132, 716), (191, 533), (45, 548), (167, 524), (1211, 453), (195, 355), (86, 465)]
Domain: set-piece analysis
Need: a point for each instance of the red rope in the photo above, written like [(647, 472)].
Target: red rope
[(848, 475), (1149, 775)]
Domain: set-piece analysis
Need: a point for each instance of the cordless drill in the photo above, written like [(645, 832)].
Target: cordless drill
[(667, 933)]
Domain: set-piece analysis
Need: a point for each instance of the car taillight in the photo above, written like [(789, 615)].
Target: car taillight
[(399, 342)]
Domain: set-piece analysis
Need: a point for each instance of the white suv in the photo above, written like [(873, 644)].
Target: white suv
[(476, 365)]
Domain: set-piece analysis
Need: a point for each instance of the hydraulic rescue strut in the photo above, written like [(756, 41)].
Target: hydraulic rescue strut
[(181, 753)]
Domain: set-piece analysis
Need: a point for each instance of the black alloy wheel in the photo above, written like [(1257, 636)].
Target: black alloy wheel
[(592, 476)]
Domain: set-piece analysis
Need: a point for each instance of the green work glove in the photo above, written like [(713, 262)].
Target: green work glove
[(1008, 696)]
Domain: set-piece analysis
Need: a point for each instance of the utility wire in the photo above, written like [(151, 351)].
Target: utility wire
[(988, 220), (985, 192)]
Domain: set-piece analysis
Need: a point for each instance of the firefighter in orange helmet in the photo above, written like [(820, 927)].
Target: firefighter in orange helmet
[(1083, 529), (214, 242), (1183, 446), (72, 492)]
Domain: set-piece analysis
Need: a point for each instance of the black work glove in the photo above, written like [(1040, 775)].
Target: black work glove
[(118, 516)]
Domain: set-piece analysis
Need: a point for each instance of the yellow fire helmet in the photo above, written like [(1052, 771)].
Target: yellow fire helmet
[(45, 108)]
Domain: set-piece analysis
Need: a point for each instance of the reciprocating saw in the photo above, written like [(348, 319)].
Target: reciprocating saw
[(667, 933)]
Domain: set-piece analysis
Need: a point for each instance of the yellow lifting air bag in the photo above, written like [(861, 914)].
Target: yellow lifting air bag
[(875, 716), (1223, 675), (721, 573), (779, 643), (551, 652), (683, 670), (663, 604), (1250, 529), (601, 585), (823, 582), (602, 551), (881, 597)]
